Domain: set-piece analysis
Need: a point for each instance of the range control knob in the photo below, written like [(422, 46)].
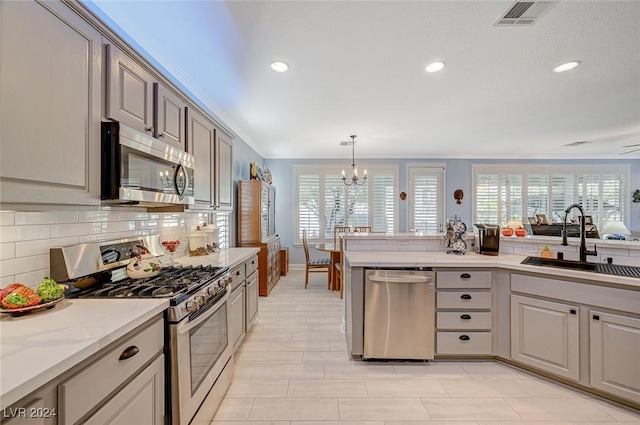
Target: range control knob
[(191, 306), (201, 300), (211, 289)]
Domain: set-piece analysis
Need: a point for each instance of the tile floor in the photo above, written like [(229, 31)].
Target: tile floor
[(293, 369)]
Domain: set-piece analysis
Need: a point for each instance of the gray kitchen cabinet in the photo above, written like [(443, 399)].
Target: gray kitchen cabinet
[(50, 104), (40, 408), (129, 91), (141, 401), (136, 97), (545, 335), (614, 347), (119, 383), (223, 177), (170, 116), (252, 299), (237, 305), (464, 313), (201, 139)]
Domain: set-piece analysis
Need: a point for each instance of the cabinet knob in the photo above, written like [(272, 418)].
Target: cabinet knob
[(596, 317), (465, 297), (161, 134), (149, 129), (572, 311), (129, 352), (465, 317), (465, 276), (464, 337)]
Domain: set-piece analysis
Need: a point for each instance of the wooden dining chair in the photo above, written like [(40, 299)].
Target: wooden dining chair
[(364, 229), (339, 229), (314, 265), (340, 269)]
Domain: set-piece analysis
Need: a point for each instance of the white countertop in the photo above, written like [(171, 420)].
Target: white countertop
[(225, 258), (504, 261), (39, 346)]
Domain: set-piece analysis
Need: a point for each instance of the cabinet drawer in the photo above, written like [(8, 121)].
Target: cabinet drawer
[(90, 386), (463, 300), (464, 320), (478, 343), (237, 276), (464, 279), (251, 265)]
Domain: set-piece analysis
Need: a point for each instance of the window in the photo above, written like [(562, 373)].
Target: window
[(425, 199), (504, 193), (323, 201), (223, 221)]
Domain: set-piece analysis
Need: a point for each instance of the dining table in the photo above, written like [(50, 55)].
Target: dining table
[(334, 250)]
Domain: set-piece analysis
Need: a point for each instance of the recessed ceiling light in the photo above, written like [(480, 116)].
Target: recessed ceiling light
[(566, 66), (434, 67), (278, 66)]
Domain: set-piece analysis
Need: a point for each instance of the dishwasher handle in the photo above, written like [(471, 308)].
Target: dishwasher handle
[(399, 279)]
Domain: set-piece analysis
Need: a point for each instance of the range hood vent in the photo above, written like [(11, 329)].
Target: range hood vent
[(524, 13)]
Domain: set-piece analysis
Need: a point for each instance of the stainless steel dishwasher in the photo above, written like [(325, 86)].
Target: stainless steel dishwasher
[(399, 314)]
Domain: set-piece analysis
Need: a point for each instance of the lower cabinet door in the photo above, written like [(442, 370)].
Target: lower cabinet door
[(236, 327), (615, 354), (140, 402), (545, 335), (252, 300)]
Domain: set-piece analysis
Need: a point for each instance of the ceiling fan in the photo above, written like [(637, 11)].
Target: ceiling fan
[(632, 150)]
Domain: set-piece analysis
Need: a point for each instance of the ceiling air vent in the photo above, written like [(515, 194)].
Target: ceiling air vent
[(578, 143), (524, 13)]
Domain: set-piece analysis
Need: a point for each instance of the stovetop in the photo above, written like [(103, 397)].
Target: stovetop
[(175, 283)]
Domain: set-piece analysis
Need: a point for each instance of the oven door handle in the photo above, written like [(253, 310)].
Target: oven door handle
[(190, 324)]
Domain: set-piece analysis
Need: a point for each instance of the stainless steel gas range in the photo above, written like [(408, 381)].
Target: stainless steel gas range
[(199, 349)]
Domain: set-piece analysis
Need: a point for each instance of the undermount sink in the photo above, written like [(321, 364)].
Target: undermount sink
[(603, 268)]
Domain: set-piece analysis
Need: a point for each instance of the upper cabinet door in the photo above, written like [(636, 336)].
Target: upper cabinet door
[(201, 136), (223, 172), (50, 104), (170, 116), (129, 91)]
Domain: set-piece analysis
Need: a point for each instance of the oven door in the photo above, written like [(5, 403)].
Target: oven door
[(200, 349)]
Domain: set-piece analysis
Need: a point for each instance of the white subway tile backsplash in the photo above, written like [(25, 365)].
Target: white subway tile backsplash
[(78, 229), (20, 265), (48, 217), (6, 281), (32, 278), (42, 246), (7, 218), (7, 250), (147, 224), (104, 216), (24, 233), (117, 226)]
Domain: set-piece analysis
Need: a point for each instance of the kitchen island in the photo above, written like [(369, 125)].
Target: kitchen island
[(574, 326)]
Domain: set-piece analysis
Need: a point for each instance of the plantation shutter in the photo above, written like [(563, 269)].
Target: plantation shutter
[(358, 211), (538, 195), (223, 221), (383, 209), (612, 198), (426, 187), (561, 196), (334, 204), (511, 195), (487, 198), (309, 205)]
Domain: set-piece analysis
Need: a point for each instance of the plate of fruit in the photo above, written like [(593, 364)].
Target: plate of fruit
[(17, 299)]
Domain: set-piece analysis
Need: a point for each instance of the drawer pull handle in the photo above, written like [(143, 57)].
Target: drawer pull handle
[(572, 311), (464, 337), (465, 317), (465, 297), (129, 352), (596, 317), (465, 276)]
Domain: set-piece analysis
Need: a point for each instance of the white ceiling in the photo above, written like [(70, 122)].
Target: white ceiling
[(358, 68)]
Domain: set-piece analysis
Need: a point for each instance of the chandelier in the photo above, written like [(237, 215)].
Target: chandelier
[(354, 179)]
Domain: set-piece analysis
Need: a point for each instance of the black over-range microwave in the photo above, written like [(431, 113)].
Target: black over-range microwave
[(137, 169)]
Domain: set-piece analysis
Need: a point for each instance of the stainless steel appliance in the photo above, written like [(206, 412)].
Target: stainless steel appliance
[(399, 314), (197, 321), (138, 169), (486, 239)]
